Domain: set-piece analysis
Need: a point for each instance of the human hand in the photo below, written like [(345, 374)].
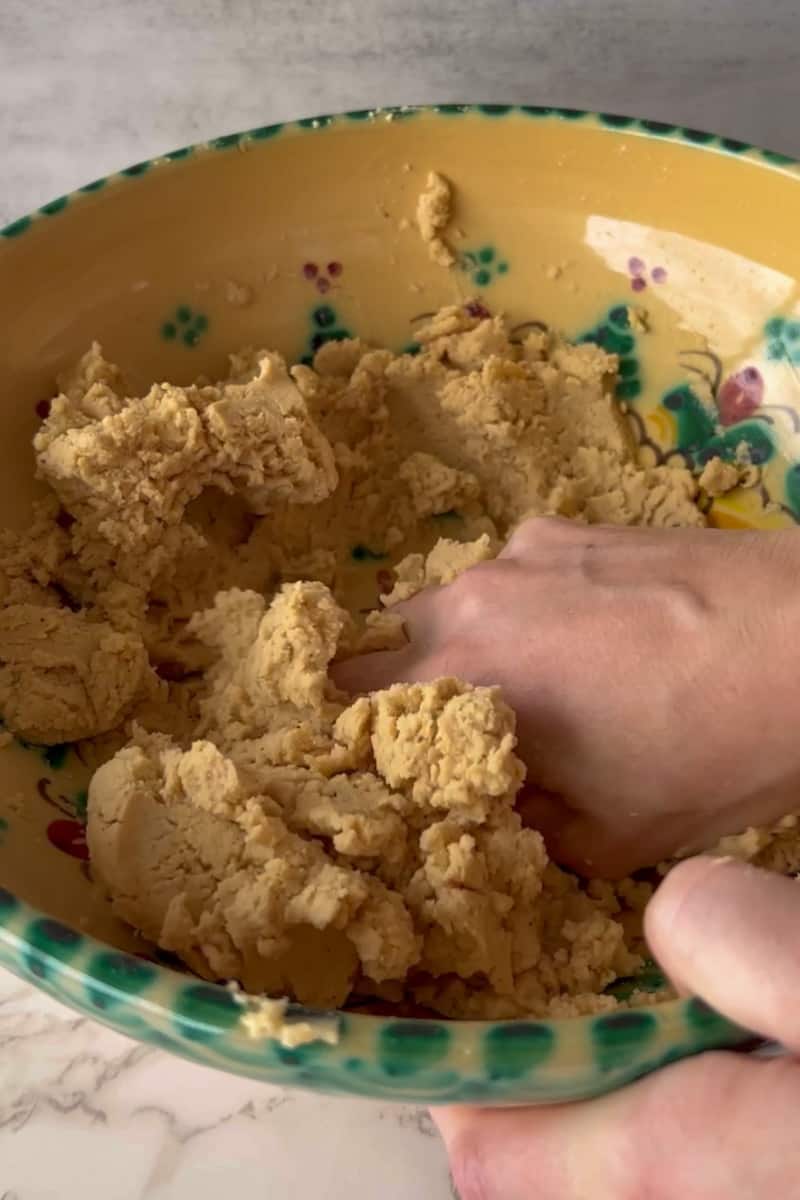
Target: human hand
[(651, 671), (717, 1127)]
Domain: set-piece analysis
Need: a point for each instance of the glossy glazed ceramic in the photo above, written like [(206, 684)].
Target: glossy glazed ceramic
[(674, 249)]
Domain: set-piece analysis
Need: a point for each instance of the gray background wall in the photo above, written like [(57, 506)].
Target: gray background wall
[(87, 86)]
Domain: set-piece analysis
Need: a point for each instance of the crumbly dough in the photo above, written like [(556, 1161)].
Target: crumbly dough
[(207, 553), (126, 470), (266, 1018), (434, 214), (719, 477), (64, 678)]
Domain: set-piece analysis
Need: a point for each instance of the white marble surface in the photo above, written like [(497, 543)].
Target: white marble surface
[(87, 1113), (92, 85)]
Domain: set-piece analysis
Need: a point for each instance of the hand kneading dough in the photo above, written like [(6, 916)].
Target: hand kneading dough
[(234, 539)]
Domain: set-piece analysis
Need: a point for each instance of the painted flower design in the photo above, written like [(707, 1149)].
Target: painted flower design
[(68, 831), (69, 837), (186, 325), (322, 277), (783, 340), (484, 264), (740, 395), (639, 274), (474, 308)]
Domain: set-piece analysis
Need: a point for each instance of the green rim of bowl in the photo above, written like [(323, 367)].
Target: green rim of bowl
[(614, 122), (421, 1060)]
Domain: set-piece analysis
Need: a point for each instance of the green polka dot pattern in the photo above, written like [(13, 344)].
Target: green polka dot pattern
[(783, 340), (512, 1050), (361, 553), (483, 265), (407, 1047), (614, 334), (185, 326), (622, 1035), (492, 112), (204, 1011), (421, 1061), (116, 977), (324, 327)]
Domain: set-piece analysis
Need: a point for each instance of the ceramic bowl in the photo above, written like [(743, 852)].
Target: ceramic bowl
[(290, 235)]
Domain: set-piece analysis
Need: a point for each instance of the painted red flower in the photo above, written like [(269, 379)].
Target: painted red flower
[(740, 395), (69, 837)]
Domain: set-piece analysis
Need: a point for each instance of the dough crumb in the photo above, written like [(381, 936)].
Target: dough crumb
[(238, 294), (719, 477), (265, 1018), (434, 214), (64, 678), (447, 745), (446, 561)]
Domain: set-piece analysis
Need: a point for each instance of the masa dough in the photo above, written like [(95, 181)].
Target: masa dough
[(64, 677), (434, 214), (208, 551), (719, 477)]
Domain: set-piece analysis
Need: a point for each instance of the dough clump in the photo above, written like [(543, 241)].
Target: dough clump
[(719, 477), (206, 554), (434, 214)]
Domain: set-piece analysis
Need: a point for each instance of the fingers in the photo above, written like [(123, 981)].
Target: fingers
[(372, 672), (548, 538), (536, 531), (518, 1154), (580, 842), (731, 934), (712, 1128)]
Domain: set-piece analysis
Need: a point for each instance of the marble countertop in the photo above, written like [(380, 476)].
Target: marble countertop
[(89, 87), (85, 1112)]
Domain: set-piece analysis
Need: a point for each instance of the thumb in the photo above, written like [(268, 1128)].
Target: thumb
[(730, 934)]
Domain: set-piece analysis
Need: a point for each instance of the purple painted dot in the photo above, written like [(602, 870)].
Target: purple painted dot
[(323, 284), (638, 284), (637, 266), (475, 309), (334, 269), (310, 270), (659, 274)]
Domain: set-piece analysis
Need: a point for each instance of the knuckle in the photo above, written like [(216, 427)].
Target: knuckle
[(543, 530), (474, 592)]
